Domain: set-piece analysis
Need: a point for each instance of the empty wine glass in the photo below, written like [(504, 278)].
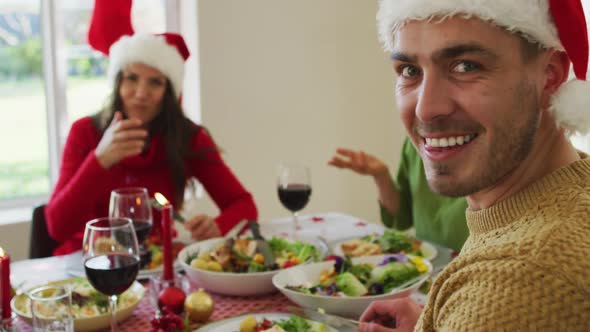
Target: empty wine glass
[(134, 203), (111, 258), (294, 188)]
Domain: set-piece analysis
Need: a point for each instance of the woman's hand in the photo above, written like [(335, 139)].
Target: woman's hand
[(399, 315), (122, 139), (202, 227), (359, 162)]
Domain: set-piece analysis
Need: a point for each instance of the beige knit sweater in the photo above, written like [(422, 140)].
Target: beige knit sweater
[(525, 265)]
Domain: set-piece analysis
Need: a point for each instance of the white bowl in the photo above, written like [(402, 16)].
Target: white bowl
[(350, 306), (228, 283)]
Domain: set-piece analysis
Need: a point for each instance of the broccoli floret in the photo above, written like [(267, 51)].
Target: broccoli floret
[(350, 285)]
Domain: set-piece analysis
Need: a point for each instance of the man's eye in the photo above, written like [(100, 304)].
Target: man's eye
[(131, 77), (465, 67), (409, 71)]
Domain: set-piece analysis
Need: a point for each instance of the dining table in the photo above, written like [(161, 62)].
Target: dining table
[(330, 227)]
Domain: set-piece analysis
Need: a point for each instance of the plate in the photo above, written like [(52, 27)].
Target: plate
[(347, 306), (233, 324), (75, 267), (135, 293), (429, 250)]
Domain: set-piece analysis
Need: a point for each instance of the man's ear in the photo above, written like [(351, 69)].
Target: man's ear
[(557, 69)]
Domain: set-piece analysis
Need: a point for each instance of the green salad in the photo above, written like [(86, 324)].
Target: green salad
[(365, 279), (245, 255), (293, 324)]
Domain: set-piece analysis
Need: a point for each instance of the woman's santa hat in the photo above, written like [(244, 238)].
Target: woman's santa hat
[(111, 33), (558, 24)]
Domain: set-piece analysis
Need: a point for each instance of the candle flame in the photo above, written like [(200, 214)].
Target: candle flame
[(161, 199), (1, 252)]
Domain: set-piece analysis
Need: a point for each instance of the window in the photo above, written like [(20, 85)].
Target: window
[(50, 77), (23, 131)]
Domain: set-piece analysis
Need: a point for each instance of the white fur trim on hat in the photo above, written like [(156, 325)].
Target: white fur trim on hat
[(150, 50), (530, 17), (570, 106)]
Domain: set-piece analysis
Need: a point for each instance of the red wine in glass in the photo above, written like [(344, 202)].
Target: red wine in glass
[(111, 257), (142, 229), (294, 196), (294, 189), (112, 274), (134, 203)]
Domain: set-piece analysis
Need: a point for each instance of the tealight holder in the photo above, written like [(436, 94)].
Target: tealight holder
[(9, 324), (157, 284)]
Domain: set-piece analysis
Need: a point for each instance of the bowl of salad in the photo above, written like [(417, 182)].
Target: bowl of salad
[(242, 266), (344, 286), (89, 307)]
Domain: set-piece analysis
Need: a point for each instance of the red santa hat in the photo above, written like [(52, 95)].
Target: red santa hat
[(558, 24), (111, 33)]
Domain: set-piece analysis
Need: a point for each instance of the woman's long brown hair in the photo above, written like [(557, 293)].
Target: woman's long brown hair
[(171, 123)]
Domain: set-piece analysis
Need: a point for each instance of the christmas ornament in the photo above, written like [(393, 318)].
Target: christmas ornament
[(172, 298), (199, 305)]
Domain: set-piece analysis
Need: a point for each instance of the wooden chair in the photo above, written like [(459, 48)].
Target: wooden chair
[(41, 243)]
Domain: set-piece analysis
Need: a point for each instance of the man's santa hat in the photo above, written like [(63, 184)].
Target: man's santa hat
[(557, 24), (111, 33)]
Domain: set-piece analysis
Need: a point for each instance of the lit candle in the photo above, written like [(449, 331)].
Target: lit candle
[(168, 273), (5, 288)]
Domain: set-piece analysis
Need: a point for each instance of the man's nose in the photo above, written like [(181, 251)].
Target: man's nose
[(434, 99)]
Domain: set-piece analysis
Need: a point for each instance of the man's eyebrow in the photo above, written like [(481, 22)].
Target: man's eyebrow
[(399, 56), (448, 53), (462, 49)]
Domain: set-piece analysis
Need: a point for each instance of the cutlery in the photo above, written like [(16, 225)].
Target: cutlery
[(342, 323), (232, 233), (261, 244)]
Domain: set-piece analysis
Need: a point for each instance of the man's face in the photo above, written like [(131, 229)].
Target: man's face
[(468, 100)]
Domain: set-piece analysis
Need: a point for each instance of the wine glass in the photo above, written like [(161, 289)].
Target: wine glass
[(134, 203), (111, 258), (294, 187)]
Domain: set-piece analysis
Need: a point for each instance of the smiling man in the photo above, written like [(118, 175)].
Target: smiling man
[(482, 91)]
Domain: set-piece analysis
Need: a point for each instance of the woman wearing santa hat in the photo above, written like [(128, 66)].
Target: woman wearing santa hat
[(141, 138), (496, 71)]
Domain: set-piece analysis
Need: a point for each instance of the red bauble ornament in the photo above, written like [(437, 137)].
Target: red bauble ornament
[(172, 298)]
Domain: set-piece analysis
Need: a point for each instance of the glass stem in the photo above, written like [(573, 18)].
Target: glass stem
[(113, 309), (296, 222)]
